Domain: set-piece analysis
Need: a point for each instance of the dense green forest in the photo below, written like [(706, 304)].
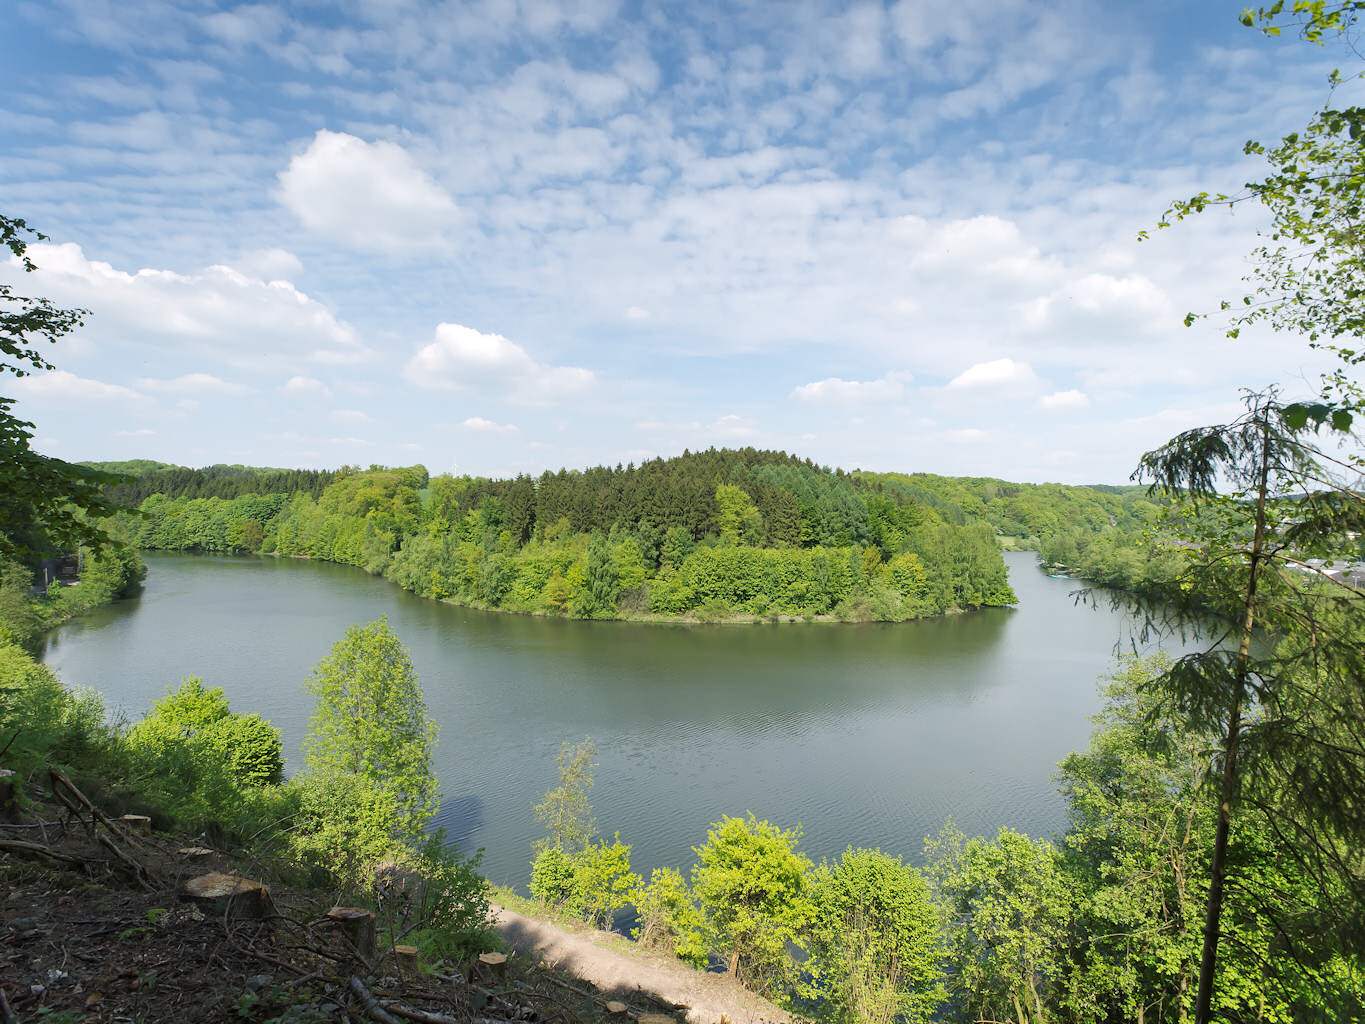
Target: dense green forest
[(713, 535), (858, 544)]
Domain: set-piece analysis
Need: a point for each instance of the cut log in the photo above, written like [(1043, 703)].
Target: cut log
[(11, 793), (230, 895), (357, 924), (496, 961), (405, 951), (193, 851), (138, 824), (616, 1009)]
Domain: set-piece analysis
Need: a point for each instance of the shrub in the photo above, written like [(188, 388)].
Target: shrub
[(669, 920), (250, 747), (345, 822), (246, 749), (873, 941), (552, 879), (603, 882), (41, 721), (752, 886)]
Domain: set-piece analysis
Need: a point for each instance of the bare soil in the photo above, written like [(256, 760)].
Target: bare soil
[(614, 964), (93, 929)]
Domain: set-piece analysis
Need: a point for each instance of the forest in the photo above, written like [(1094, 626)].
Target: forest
[(711, 535)]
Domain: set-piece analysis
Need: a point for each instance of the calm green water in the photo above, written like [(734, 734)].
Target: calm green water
[(867, 735)]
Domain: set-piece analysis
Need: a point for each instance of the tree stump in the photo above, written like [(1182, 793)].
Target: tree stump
[(231, 895), (497, 962), (137, 824), (357, 924), (616, 1008), (11, 792)]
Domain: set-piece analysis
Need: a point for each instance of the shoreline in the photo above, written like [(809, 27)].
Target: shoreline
[(652, 618)]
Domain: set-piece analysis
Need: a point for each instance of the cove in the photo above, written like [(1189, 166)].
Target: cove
[(870, 735)]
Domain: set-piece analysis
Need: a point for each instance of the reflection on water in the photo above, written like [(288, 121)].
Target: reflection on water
[(871, 735)]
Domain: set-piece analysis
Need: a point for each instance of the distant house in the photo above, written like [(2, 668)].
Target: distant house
[(1350, 573), (61, 568)]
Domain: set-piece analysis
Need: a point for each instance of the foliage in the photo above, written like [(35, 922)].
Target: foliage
[(593, 882), (552, 878), (565, 811), (1007, 905), (20, 623), (245, 744), (371, 724), (668, 918), (753, 889), (873, 941), (345, 821), (1279, 687), (45, 504), (603, 881), (454, 900), (41, 721)]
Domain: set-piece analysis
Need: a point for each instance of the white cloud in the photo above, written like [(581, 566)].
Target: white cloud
[(836, 391), (483, 426), (998, 373), (349, 416), (636, 313), (969, 435), (64, 388), (306, 388), (1100, 303), (1072, 399), (194, 384), (268, 265), (463, 358), (144, 432), (221, 313), (365, 194)]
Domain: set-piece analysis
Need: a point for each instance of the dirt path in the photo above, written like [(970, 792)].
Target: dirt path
[(589, 955)]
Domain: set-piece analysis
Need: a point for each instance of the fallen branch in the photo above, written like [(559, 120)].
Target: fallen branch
[(38, 849), (371, 1004), (422, 1016)]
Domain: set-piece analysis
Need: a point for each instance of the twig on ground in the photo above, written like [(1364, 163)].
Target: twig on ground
[(371, 1004)]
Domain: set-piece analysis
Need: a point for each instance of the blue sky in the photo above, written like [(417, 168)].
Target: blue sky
[(512, 235)]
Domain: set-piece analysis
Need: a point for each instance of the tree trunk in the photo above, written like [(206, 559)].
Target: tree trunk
[(1203, 1007)]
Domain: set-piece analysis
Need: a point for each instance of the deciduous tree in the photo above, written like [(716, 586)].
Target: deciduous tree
[(371, 722), (45, 504)]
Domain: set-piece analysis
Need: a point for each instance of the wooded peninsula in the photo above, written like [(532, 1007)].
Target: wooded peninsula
[(714, 535)]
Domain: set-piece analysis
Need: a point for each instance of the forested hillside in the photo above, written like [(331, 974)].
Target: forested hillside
[(713, 534)]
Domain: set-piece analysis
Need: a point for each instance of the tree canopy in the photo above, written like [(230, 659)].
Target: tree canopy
[(46, 504)]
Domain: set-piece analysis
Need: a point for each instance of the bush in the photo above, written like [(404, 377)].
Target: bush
[(603, 881), (873, 941), (552, 879), (593, 883), (669, 920), (752, 886), (345, 822), (250, 747), (436, 896), (245, 749), (41, 721)]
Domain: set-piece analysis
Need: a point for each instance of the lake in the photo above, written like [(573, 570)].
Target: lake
[(870, 735)]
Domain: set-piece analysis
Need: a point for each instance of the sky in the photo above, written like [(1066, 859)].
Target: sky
[(504, 236)]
